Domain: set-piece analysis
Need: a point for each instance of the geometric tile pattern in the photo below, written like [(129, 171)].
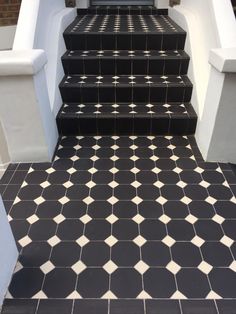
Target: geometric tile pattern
[(123, 218), (118, 59), (124, 23)]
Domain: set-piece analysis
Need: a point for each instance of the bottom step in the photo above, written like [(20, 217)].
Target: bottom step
[(127, 119)]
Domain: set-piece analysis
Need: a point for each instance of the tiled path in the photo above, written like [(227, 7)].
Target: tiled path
[(123, 217)]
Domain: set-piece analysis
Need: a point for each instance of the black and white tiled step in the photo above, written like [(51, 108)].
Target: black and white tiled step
[(123, 10), (108, 62), (126, 119), (124, 32), (125, 88)]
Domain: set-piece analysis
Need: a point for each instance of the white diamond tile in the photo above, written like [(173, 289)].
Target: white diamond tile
[(47, 267), (110, 267), (111, 240), (59, 218), (197, 241), (141, 267), (227, 241), (112, 219), (168, 241), (79, 267), (139, 241), (173, 267)]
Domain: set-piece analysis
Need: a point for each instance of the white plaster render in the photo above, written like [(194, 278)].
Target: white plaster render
[(7, 34), (211, 42), (27, 120), (8, 252)]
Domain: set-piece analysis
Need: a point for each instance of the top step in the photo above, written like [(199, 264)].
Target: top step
[(122, 10)]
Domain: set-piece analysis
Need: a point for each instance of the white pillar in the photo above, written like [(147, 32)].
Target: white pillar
[(27, 119), (216, 133), (8, 253)]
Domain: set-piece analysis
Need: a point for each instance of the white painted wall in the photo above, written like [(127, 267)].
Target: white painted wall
[(29, 114), (211, 24), (34, 19), (27, 120), (8, 252), (7, 34)]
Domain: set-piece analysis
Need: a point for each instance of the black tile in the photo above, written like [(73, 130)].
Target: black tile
[(180, 230), (95, 254), (35, 254), (127, 306), (125, 230), (216, 254), (93, 283), (192, 283), (159, 283), (26, 283), (201, 209), (18, 177), (196, 192), (55, 307), (175, 209), (126, 283), (155, 254), (98, 230), (11, 192), (208, 230), (54, 192), (150, 209), (74, 209), (226, 306), (125, 254), (198, 306), (162, 307), (186, 254), (225, 209), (70, 229), (100, 209), (90, 306), (171, 192), (8, 174), (17, 306), (53, 287), (23, 210), (42, 230), (125, 209), (49, 209), (223, 282), (152, 229), (65, 254), (19, 228)]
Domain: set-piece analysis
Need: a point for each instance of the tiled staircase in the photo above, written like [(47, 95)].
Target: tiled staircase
[(125, 74)]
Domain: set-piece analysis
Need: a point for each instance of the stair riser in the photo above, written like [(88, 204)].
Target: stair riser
[(127, 126), (125, 66), (122, 11), (157, 41), (126, 94)]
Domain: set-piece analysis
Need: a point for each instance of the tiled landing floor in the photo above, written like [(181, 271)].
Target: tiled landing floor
[(127, 218)]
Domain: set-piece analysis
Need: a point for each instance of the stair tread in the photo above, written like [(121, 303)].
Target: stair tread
[(126, 24), (72, 110), (124, 9), (124, 80), (127, 54)]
